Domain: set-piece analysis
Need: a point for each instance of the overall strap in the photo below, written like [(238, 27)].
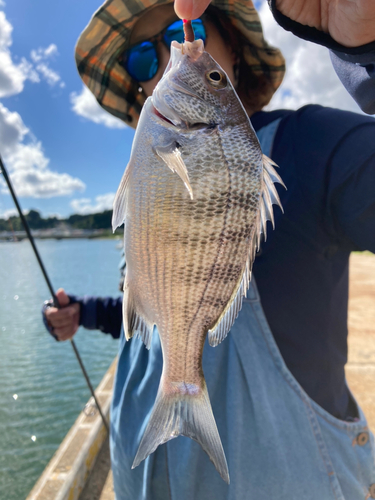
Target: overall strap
[(266, 136)]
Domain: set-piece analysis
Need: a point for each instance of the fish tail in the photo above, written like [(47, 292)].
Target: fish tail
[(183, 409)]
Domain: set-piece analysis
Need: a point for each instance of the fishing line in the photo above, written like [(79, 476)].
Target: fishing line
[(55, 301)]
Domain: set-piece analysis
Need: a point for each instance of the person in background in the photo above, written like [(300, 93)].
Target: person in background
[(289, 425)]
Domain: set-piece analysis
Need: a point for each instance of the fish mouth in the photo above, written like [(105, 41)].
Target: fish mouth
[(161, 116), (181, 124), (170, 117)]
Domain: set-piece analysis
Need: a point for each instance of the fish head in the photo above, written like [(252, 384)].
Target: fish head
[(195, 92)]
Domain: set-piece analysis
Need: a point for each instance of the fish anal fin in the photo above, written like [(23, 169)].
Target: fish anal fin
[(171, 156), (134, 323)]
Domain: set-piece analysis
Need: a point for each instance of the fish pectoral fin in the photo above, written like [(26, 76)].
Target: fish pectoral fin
[(180, 413), (134, 323), (171, 156)]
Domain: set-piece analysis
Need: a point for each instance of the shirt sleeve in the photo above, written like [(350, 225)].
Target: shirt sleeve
[(357, 74), (101, 313), (352, 188)]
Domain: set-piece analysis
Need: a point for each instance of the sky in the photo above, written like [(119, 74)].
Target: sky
[(63, 152)]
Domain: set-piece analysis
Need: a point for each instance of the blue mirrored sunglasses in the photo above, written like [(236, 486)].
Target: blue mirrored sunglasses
[(141, 61)]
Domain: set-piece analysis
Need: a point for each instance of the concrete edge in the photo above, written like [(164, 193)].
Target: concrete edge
[(66, 474)]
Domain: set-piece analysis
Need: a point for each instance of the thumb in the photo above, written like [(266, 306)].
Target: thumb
[(62, 297), (190, 9)]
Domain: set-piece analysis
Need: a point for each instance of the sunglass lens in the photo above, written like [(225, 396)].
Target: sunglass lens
[(176, 31), (199, 30), (142, 62)]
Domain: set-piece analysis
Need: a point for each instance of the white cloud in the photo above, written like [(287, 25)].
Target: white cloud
[(48, 74), (84, 206), (12, 76), (40, 58), (43, 54), (85, 104), (27, 164), (2, 3), (310, 77)]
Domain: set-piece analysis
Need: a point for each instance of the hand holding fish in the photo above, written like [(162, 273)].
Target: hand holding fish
[(64, 321), (349, 22)]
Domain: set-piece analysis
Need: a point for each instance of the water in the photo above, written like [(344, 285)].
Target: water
[(42, 389)]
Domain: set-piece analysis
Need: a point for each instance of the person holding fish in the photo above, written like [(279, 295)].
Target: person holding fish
[(269, 404)]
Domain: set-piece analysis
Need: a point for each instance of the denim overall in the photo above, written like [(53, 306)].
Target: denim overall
[(279, 444)]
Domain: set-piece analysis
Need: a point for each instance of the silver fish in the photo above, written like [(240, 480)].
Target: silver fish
[(195, 198)]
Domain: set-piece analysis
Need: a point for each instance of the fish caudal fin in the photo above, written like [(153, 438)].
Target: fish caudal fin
[(183, 409)]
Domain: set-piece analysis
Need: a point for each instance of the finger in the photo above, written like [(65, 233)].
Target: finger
[(62, 322), (190, 9), (65, 333), (62, 297), (57, 315)]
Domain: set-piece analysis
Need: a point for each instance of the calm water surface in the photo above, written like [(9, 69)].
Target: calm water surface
[(42, 389)]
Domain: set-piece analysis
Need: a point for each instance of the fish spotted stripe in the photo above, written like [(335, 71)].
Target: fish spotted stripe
[(107, 36)]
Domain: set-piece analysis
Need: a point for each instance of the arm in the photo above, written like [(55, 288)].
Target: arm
[(93, 313), (357, 74), (351, 197)]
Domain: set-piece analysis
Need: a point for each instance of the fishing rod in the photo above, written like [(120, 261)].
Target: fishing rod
[(46, 277)]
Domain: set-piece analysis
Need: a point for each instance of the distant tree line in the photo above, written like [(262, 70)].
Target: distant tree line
[(91, 221)]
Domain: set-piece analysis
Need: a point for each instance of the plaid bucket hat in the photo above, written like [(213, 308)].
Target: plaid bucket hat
[(107, 36)]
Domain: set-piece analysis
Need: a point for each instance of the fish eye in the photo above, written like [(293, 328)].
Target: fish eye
[(216, 78)]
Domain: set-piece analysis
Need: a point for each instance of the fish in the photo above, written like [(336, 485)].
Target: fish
[(195, 199)]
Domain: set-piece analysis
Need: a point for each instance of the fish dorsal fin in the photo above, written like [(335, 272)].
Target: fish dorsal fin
[(225, 322), (268, 197), (171, 156), (134, 323), (120, 202)]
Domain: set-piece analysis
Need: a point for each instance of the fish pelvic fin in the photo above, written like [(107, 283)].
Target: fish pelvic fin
[(269, 196), (183, 409), (134, 323), (120, 201)]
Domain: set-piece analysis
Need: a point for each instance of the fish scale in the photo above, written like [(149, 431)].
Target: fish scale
[(195, 198)]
